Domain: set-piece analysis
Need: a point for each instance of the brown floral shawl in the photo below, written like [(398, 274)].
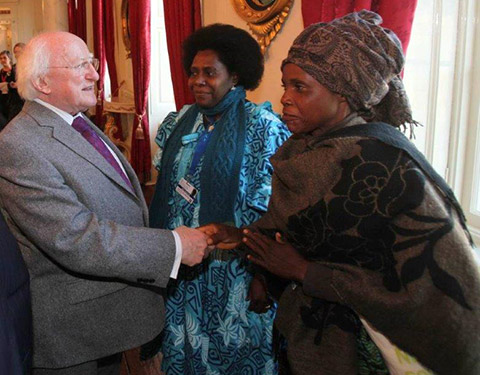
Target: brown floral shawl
[(386, 241)]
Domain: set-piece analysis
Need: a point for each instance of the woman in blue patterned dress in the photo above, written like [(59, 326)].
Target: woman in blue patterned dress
[(214, 165)]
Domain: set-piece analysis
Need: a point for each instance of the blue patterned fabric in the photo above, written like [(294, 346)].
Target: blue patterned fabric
[(208, 328), (223, 157)]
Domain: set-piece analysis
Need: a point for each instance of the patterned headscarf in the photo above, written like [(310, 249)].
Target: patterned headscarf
[(357, 58)]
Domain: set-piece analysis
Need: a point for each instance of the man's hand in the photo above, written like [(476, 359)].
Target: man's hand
[(222, 236), (277, 256), (194, 245)]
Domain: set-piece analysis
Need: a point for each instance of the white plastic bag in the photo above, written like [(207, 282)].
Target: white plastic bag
[(397, 361)]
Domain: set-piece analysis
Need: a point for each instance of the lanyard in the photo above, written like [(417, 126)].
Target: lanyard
[(202, 144)]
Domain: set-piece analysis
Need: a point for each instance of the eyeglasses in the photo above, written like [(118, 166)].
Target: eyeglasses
[(82, 67)]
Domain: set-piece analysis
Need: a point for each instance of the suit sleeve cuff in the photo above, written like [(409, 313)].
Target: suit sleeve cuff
[(178, 255), (318, 283)]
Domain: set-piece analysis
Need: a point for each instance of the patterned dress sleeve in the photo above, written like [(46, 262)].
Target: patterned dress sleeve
[(265, 134), (163, 132)]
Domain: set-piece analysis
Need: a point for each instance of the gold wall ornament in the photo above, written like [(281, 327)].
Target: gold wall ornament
[(124, 107), (265, 18), (126, 27)]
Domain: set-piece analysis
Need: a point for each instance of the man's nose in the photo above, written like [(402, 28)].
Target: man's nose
[(91, 73)]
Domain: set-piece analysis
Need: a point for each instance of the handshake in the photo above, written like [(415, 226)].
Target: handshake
[(198, 243), (276, 255)]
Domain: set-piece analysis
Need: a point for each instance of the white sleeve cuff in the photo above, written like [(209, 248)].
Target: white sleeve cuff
[(178, 255)]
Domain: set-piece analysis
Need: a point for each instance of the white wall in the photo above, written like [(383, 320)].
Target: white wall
[(24, 20)]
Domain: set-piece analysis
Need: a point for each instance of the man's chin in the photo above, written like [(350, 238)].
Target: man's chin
[(89, 104)]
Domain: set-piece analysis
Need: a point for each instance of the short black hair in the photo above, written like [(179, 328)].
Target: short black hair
[(235, 47)]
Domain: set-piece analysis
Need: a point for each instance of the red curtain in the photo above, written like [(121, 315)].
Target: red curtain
[(109, 29), (104, 49), (99, 51), (139, 15), (182, 17), (77, 23), (397, 14), (110, 45)]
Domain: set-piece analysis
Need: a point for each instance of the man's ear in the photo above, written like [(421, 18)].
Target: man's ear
[(41, 84)]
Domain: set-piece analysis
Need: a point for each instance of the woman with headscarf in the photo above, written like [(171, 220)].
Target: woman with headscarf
[(370, 238), (214, 166)]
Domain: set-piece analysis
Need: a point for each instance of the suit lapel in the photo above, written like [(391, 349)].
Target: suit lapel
[(129, 171), (126, 166), (72, 139)]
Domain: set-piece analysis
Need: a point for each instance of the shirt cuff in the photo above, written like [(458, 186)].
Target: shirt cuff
[(178, 255)]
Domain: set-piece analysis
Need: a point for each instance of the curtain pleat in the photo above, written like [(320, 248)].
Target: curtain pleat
[(77, 23), (397, 14), (182, 18), (109, 29), (99, 51), (140, 15)]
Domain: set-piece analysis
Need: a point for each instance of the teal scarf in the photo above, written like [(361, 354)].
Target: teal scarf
[(220, 174)]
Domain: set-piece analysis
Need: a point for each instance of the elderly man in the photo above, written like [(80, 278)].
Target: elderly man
[(76, 208)]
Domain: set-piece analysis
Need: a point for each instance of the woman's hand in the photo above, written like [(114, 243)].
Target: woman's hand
[(260, 302), (278, 257), (222, 236)]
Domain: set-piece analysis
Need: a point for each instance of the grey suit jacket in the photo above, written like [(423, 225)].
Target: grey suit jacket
[(82, 232)]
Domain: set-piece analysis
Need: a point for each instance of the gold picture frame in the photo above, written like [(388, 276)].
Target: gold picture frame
[(265, 18), (126, 28)]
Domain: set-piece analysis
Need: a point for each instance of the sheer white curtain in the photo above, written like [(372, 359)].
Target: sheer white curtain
[(440, 74), (162, 100)]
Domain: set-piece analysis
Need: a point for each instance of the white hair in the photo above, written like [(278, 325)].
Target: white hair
[(32, 65)]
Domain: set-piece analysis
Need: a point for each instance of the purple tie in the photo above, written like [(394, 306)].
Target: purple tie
[(80, 125)]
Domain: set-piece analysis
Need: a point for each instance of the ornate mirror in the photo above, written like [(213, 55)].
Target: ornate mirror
[(126, 28), (264, 17)]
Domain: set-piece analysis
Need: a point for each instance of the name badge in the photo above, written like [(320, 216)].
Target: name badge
[(186, 190)]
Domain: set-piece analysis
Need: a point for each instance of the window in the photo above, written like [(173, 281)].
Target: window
[(471, 185), (439, 76), (162, 100)]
